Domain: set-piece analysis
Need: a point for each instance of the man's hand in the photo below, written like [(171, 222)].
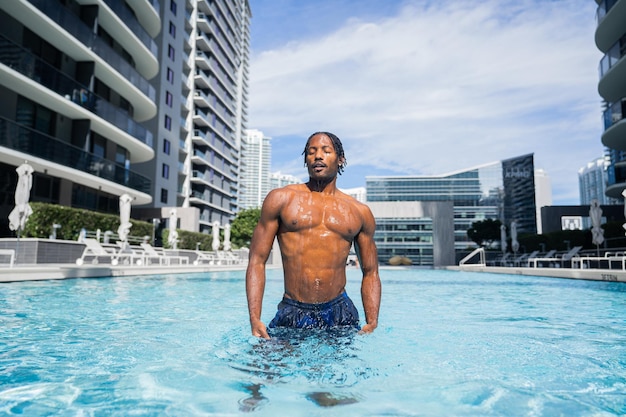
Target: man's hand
[(368, 328), (259, 329)]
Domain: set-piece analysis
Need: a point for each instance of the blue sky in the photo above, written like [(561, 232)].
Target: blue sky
[(429, 87)]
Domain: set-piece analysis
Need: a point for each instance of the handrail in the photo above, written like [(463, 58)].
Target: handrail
[(477, 251)]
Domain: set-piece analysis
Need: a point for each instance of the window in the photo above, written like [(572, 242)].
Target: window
[(171, 52), (169, 99), (173, 7), (170, 76), (172, 29), (166, 146), (163, 195), (165, 171), (168, 122)]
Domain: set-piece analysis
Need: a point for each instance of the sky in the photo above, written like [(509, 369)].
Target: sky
[(416, 87)]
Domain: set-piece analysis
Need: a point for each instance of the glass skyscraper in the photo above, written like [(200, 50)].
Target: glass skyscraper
[(503, 190)]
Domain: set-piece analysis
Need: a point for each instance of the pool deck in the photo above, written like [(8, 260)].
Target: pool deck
[(593, 274), (40, 272)]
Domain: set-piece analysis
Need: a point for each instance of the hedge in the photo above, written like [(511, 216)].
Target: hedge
[(72, 220)]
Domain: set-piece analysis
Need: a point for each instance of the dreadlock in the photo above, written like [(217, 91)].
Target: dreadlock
[(336, 144)]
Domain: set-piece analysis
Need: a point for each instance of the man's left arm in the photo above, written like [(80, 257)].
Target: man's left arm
[(368, 259)]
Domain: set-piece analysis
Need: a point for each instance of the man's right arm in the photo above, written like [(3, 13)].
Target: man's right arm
[(260, 247)]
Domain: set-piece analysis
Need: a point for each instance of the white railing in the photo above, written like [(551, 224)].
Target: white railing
[(477, 251)]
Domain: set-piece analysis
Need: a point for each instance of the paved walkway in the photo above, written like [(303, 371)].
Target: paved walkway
[(594, 274), (64, 271)]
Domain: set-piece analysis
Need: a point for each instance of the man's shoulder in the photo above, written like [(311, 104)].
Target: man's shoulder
[(284, 193), (287, 189)]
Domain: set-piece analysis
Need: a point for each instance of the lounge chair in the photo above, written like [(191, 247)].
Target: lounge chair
[(202, 257), (548, 255), (96, 252), (227, 258), (557, 260), (524, 257), (500, 260), (151, 253)]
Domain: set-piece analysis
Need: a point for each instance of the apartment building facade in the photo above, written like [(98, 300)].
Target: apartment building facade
[(75, 94)]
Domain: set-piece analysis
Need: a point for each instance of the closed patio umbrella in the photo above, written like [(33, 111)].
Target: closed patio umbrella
[(503, 238), (216, 236), (19, 215), (514, 242), (597, 233), (172, 237), (227, 236), (124, 230)]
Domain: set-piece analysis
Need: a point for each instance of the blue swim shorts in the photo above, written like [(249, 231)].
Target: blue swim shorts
[(335, 313)]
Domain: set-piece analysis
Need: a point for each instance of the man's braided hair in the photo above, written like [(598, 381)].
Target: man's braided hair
[(336, 144)]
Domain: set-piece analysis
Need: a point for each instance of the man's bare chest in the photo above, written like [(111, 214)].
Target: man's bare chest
[(323, 215)]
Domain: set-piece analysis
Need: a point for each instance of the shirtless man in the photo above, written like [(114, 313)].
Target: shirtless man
[(315, 224)]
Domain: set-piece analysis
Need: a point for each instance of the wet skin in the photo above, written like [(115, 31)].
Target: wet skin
[(315, 224)]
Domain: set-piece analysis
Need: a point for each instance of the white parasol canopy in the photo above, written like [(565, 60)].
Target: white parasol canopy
[(597, 233), (172, 237), (19, 215), (624, 195), (227, 236), (216, 236), (503, 238), (514, 242), (124, 230)]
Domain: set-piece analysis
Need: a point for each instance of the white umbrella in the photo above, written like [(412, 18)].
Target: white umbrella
[(227, 236), (624, 195), (124, 230), (503, 238), (216, 236), (19, 215), (514, 242), (172, 237), (597, 233)]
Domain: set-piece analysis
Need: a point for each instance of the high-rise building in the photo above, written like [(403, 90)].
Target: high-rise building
[(202, 94), (592, 181), (358, 193), (502, 190), (610, 38), (256, 159), (74, 93), (543, 195), (278, 180)]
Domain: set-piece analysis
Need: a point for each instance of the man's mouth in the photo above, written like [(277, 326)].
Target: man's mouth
[(318, 166)]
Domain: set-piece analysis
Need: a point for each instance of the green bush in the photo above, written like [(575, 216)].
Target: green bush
[(188, 240), (72, 220)]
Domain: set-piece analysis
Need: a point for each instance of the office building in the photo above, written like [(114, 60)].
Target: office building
[(75, 94), (610, 38), (543, 195), (502, 190), (202, 94), (254, 171)]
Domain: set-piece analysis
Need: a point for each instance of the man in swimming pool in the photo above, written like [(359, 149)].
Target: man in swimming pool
[(316, 225)]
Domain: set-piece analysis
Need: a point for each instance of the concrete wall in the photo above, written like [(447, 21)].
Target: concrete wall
[(442, 215)]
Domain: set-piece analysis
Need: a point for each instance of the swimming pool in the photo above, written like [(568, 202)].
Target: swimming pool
[(448, 343)]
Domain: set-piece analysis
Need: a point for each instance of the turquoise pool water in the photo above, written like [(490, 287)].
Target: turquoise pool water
[(449, 343)]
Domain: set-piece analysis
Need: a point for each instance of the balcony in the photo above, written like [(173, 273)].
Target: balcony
[(29, 141), (614, 135), (73, 25), (612, 70), (29, 65), (610, 18)]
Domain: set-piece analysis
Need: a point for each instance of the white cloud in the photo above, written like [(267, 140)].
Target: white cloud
[(444, 87)]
